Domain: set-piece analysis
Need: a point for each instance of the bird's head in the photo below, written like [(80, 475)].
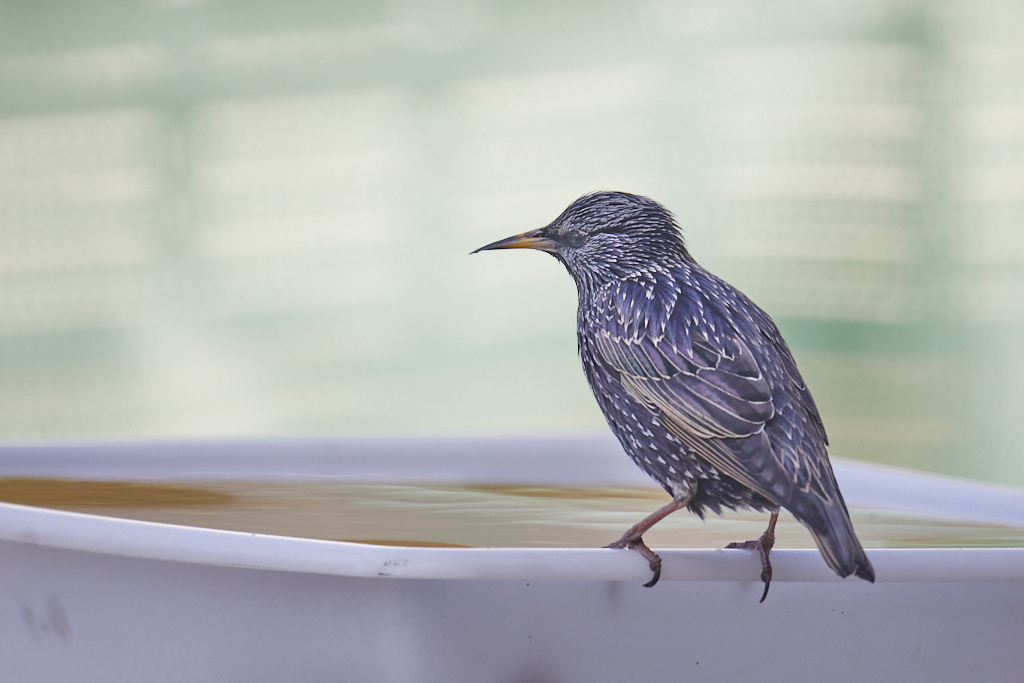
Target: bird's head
[(605, 235)]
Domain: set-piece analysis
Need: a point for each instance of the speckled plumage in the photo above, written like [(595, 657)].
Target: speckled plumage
[(694, 379)]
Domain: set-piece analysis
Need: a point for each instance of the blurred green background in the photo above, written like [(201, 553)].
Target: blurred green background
[(254, 218)]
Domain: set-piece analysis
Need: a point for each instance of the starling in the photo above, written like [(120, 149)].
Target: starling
[(694, 379)]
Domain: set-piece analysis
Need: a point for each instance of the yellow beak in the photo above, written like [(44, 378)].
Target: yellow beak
[(528, 240)]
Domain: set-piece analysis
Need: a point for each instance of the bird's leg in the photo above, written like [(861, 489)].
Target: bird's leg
[(762, 545), (633, 538)]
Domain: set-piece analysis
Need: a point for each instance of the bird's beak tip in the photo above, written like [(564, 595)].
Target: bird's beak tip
[(527, 240)]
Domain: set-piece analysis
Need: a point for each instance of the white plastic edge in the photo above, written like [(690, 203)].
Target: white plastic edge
[(169, 542)]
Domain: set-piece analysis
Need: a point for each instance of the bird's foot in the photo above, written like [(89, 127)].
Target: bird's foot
[(637, 544), (763, 546), (633, 538)]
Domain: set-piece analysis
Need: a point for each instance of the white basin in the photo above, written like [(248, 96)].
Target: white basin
[(92, 598)]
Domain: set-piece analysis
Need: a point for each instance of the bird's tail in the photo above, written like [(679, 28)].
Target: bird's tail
[(833, 532)]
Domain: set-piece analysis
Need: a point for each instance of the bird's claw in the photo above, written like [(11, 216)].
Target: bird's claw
[(655, 566), (637, 544), (763, 546)]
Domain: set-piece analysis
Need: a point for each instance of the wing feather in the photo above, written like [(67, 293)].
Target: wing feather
[(709, 388)]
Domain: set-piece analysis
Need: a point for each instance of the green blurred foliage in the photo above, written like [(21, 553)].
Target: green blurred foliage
[(227, 218)]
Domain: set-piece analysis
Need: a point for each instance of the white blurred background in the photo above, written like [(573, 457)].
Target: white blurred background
[(226, 219)]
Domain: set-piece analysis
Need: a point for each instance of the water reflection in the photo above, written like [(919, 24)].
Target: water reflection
[(477, 515)]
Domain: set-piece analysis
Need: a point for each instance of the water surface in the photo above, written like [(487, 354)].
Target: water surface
[(478, 515)]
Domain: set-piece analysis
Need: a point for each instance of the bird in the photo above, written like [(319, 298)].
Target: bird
[(694, 379)]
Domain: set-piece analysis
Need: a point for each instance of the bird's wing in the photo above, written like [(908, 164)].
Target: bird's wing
[(797, 383), (704, 384)]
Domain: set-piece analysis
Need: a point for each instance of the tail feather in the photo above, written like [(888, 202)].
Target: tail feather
[(832, 530)]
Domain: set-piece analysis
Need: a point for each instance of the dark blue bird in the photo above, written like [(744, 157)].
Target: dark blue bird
[(694, 379)]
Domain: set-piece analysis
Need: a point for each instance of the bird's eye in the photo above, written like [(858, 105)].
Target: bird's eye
[(575, 238)]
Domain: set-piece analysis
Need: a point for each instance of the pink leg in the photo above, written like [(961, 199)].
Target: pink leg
[(762, 545), (633, 538)]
